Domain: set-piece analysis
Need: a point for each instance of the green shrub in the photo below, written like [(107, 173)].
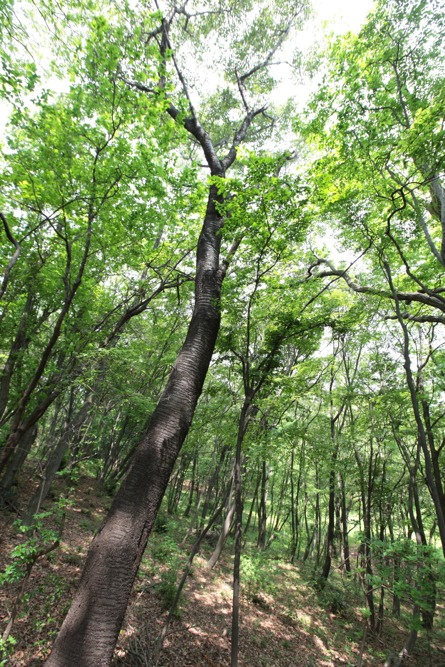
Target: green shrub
[(6, 650), (255, 573), (169, 563)]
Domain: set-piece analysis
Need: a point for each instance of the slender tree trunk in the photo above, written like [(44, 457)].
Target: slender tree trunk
[(213, 480), (114, 452), (317, 526), (366, 487), (333, 418), (252, 505), (396, 580), (176, 484), (382, 525), (346, 561), (262, 512), (423, 441), (331, 520), (280, 520), (54, 461), (224, 531), (237, 481), (310, 533), (192, 486), (419, 530)]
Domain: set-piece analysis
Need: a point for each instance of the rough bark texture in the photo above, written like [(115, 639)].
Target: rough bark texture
[(91, 627)]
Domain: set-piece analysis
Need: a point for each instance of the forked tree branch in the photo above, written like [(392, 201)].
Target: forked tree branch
[(427, 299)]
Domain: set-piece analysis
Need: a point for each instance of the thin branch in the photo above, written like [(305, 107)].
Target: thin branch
[(266, 62), (400, 251)]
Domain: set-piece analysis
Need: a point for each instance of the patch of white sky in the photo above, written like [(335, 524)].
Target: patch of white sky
[(340, 16), (328, 17)]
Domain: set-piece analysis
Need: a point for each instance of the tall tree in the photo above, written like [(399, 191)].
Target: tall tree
[(380, 117), (91, 627)]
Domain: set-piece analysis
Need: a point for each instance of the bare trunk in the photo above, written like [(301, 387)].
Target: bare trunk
[(262, 510), (90, 630), (238, 532), (224, 532), (346, 562)]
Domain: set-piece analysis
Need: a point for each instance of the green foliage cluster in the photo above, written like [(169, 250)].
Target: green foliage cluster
[(6, 650), (38, 537), (257, 574), (329, 371), (420, 568), (169, 561)]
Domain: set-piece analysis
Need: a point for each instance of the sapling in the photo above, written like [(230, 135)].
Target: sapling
[(39, 541)]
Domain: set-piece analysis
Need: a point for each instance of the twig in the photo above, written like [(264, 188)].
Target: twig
[(44, 551)]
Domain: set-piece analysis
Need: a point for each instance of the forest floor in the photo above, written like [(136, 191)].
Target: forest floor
[(284, 622)]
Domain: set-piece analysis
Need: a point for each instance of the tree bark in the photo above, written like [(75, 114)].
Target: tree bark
[(90, 630), (346, 562), (237, 483), (224, 531), (262, 509)]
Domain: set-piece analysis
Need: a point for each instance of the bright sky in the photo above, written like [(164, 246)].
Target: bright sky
[(343, 15), (334, 16), (328, 17)]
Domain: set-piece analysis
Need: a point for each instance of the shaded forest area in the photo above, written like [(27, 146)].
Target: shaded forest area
[(221, 332)]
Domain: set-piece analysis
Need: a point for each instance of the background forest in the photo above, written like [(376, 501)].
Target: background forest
[(177, 225)]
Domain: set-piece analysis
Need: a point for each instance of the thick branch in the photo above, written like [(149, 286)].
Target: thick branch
[(422, 319), (439, 191), (13, 259), (429, 299), (192, 125), (239, 137), (440, 256)]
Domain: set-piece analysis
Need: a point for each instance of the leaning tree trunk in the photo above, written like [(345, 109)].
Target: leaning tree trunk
[(231, 506), (90, 630)]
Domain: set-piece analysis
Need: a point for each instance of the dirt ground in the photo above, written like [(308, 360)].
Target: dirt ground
[(285, 625)]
